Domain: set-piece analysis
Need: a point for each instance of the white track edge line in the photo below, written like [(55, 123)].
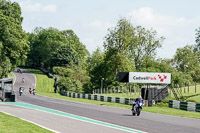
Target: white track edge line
[(30, 122)]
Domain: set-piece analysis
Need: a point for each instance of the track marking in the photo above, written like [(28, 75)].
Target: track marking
[(85, 119), (31, 122)]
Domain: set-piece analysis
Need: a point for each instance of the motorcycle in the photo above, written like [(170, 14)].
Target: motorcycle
[(137, 107)]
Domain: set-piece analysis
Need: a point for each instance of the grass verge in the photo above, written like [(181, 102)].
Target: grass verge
[(45, 87), (10, 74), (129, 95), (10, 124), (43, 83)]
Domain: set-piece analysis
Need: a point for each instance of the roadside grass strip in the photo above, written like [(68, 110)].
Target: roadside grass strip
[(12, 124), (30, 106)]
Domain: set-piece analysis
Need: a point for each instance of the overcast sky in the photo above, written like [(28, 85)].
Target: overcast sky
[(176, 20)]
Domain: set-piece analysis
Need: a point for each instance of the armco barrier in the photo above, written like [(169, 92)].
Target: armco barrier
[(187, 106)]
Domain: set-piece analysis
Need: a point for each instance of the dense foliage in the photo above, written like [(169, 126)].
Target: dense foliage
[(60, 52), (13, 42), (126, 48)]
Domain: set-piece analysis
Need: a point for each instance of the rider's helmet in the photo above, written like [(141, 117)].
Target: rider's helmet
[(139, 97)]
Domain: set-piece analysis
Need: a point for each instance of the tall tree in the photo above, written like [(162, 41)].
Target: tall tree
[(72, 77), (75, 44), (64, 55), (187, 61), (51, 47), (197, 38), (129, 48), (145, 45), (13, 43), (44, 43), (116, 47), (96, 68)]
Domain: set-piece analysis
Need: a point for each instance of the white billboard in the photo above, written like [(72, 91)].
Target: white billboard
[(145, 77)]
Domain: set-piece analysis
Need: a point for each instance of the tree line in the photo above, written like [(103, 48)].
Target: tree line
[(126, 48)]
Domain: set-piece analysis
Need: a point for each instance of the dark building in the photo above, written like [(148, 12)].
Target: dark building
[(156, 93)]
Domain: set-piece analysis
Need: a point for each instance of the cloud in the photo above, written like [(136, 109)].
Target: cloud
[(179, 31), (100, 25), (149, 18), (29, 6)]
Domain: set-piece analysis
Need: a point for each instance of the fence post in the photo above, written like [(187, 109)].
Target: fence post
[(127, 89), (135, 90), (188, 87), (195, 87)]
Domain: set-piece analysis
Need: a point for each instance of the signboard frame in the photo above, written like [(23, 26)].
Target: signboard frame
[(149, 77)]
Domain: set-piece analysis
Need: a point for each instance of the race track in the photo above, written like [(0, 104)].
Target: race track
[(147, 122)]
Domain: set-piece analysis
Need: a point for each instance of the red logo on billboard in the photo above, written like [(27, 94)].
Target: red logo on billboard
[(162, 78)]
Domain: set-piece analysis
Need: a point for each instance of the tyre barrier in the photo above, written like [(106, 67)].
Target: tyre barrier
[(102, 98), (95, 97), (109, 99), (198, 107), (187, 106), (89, 96), (127, 101), (117, 99)]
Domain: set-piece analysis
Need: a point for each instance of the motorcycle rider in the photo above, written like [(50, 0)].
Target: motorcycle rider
[(136, 100)]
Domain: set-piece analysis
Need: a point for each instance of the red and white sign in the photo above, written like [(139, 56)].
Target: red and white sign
[(145, 77)]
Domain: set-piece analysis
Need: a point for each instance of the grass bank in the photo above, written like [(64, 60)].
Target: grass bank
[(10, 74), (45, 87), (10, 124), (129, 95)]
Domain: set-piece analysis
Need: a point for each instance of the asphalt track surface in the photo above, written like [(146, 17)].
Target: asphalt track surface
[(147, 122)]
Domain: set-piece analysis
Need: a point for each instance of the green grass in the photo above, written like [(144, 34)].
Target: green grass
[(171, 111), (194, 99), (10, 124), (10, 74), (161, 108), (190, 96), (43, 83), (45, 87), (129, 95)]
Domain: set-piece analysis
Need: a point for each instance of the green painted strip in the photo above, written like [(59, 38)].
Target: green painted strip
[(30, 106)]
